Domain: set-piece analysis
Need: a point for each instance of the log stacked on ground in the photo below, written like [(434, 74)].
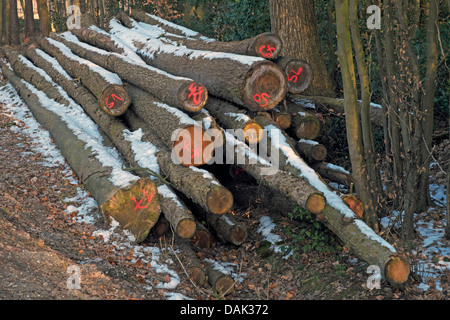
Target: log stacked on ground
[(299, 74), (113, 189), (251, 82), (266, 45), (178, 92), (106, 86)]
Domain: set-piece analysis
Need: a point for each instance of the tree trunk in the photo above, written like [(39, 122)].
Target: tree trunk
[(231, 117), (44, 17), (7, 21), (196, 184), (299, 74), (175, 212), (107, 87), (113, 197), (98, 39), (191, 145), (363, 241), (182, 93), (252, 82), (29, 19), (2, 20), (14, 24), (354, 136), (295, 23)]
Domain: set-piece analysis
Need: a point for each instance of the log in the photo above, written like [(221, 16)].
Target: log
[(98, 39), (227, 228), (266, 45), (211, 126), (333, 173), (305, 125), (191, 145), (202, 237), (282, 118), (222, 283), (252, 82), (336, 216), (174, 211), (190, 263), (337, 106), (299, 74), (196, 184), (178, 92), (231, 117), (106, 86), (121, 196), (311, 150)]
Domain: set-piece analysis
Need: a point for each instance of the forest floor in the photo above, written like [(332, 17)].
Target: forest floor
[(50, 226)]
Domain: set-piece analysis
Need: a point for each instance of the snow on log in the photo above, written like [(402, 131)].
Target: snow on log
[(182, 93), (265, 45), (299, 74), (231, 117), (137, 153), (333, 173), (221, 282), (106, 86), (305, 125), (198, 185), (311, 150), (121, 196), (252, 82)]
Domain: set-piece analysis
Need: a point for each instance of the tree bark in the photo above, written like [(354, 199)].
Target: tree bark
[(115, 202), (304, 125), (44, 17), (231, 117), (252, 82), (222, 283), (354, 136), (202, 237), (190, 263), (333, 174), (2, 20), (310, 150), (7, 21), (295, 23), (182, 93), (97, 39), (199, 186), (29, 19), (107, 87), (14, 24), (191, 144), (175, 211)]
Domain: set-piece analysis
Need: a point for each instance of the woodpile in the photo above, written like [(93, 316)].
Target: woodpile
[(167, 98)]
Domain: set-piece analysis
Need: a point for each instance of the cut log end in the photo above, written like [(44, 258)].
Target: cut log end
[(308, 128), (253, 132), (219, 200), (299, 75), (186, 228), (193, 96), (319, 152), (224, 285), (397, 270), (114, 100), (268, 45), (238, 235), (135, 208), (193, 146), (265, 87), (201, 238), (197, 275), (316, 203), (283, 119)]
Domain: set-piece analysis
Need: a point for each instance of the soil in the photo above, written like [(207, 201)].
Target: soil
[(42, 243)]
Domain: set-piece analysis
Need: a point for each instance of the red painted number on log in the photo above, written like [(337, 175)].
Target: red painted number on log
[(193, 151), (111, 104), (149, 199), (295, 76), (269, 51), (195, 93), (259, 97)]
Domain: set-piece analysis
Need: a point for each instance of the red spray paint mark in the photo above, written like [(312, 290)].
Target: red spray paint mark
[(149, 199), (259, 97), (196, 93), (111, 104), (269, 51), (192, 150), (296, 74)]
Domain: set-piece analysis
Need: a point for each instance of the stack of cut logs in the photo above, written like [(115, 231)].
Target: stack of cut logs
[(166, 98)]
